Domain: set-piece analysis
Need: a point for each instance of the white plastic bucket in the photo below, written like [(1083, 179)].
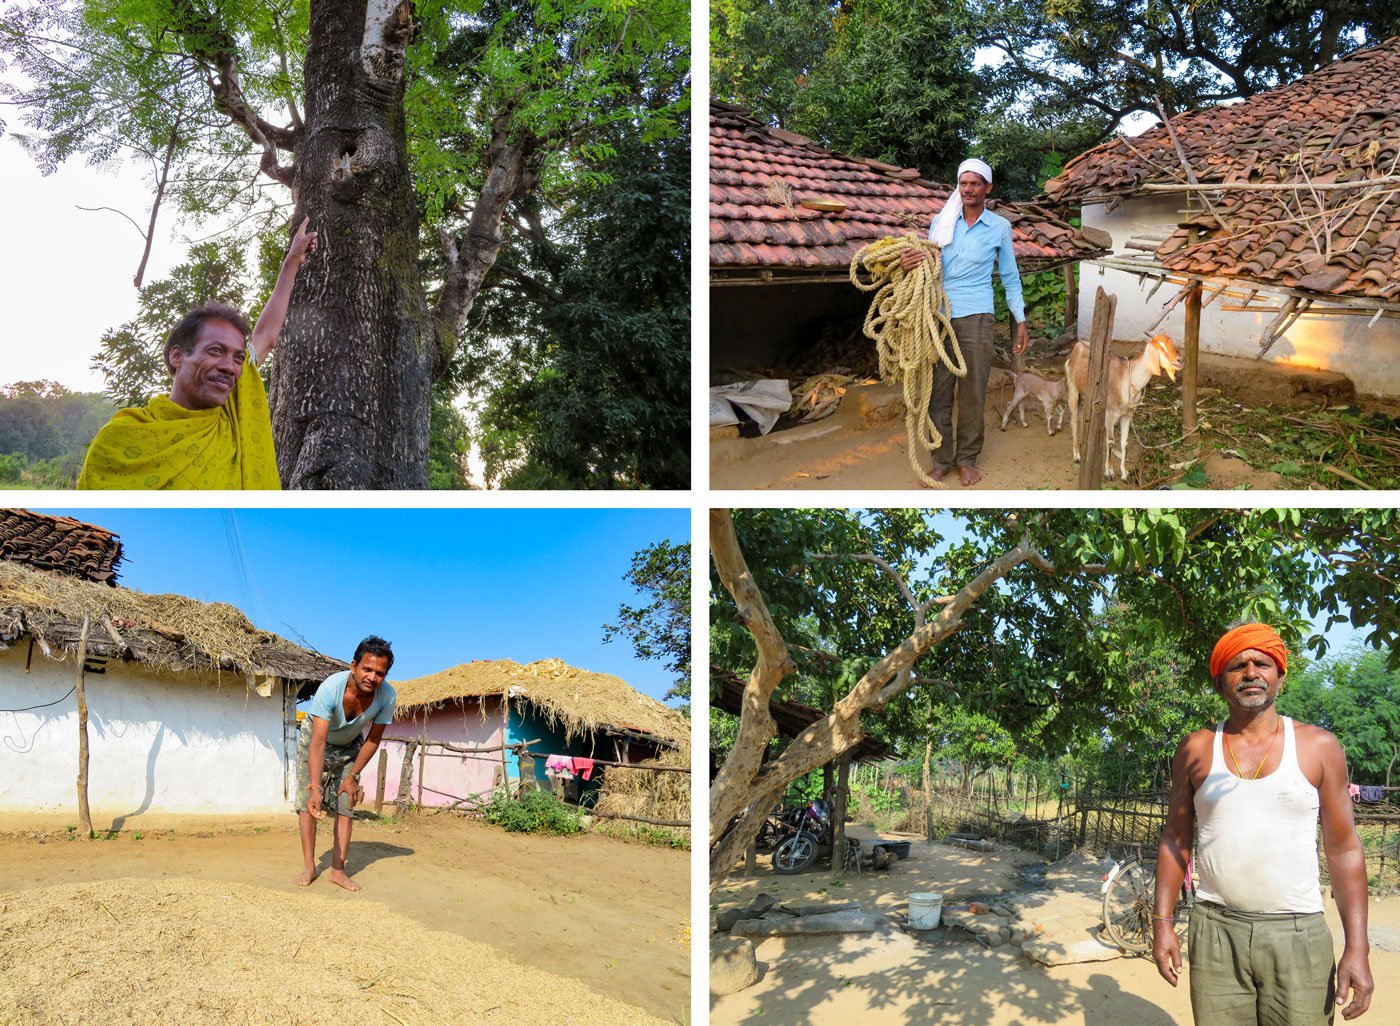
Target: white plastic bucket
[(925, 910)]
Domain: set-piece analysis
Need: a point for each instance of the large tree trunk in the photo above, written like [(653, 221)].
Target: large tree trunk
[(351, 382)]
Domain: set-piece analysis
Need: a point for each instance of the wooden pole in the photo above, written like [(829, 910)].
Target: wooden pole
[(403, 798), (928, 792), (379, 786), (84, 814), (1093, 438), (1191, 358), (421, 750), (1071, 303), (838, 816)]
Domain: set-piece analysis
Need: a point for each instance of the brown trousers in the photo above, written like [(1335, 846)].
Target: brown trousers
[(974, 335)]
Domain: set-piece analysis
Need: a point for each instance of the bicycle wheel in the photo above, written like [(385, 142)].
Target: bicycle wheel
[(1127, 905), (795, 854)]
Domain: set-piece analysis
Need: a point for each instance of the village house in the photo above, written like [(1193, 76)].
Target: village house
[(467, 730), (190, 707), (1288, 218), (786, 218)]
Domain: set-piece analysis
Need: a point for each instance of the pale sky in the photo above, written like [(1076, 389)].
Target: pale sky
[(68, 272)]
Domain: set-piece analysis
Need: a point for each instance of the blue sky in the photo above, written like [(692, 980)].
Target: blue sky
[(444, 586)]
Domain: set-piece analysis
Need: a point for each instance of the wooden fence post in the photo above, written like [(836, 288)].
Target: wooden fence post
[(404, 798), (84, 814), (838, 816), (379, 787), (1092, 436)]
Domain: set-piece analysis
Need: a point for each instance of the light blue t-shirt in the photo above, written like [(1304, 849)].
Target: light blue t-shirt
[(968, 262), (329, 704)]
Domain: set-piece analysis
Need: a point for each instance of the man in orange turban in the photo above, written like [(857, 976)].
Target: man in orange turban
[(1256, 785)]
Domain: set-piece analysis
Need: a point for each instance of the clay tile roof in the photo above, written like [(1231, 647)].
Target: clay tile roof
[(60, 543), (1338, 124), (759, 177)]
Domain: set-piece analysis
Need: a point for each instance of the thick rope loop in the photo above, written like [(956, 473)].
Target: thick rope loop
[(910, 322)]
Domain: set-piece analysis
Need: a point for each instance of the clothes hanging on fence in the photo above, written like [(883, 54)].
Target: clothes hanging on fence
[(1372, 793), (583, 767), (1354, 790), (559, 767)]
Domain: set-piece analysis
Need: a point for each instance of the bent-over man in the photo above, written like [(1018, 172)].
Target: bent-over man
[(1261, 952), (333, 750), (973, 242), (214, 430)]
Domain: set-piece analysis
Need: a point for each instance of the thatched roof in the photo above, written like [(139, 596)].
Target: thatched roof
[(577, 700), (60, 543), (166, 632)]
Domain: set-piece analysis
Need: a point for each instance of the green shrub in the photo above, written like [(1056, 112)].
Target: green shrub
[(533, 812)]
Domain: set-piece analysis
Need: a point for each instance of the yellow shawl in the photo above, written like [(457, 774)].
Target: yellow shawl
[(162, 445)]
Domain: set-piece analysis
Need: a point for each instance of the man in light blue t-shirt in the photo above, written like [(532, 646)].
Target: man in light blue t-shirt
[(332, 751), (975, 242)]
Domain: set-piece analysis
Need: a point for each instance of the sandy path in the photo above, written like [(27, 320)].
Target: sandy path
[(896, 979), (571, 906)]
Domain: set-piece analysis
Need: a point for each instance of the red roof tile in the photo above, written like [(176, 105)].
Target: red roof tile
[(59, 543), (1339, 124), (760, 175)]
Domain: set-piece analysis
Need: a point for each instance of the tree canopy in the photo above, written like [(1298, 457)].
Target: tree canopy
[(1025, 84), (1061, 626), (660, 629)]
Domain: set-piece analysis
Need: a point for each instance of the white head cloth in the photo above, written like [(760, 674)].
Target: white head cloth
[(941, 231)]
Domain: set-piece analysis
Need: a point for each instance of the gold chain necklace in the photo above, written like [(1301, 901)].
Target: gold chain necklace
[(1269, 751)]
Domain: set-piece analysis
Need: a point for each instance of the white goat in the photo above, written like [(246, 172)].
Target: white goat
[(1050, 392), (1126, 380)]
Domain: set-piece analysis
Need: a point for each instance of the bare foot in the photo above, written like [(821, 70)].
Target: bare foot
[(339, 878), (969, 476), (939, 473), (307, 876)]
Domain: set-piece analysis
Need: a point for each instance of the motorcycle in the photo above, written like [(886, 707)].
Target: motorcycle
[(811, 837)]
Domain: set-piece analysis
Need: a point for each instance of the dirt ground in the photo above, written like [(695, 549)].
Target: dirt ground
[(863, 446), (570, 906), (943, 977)]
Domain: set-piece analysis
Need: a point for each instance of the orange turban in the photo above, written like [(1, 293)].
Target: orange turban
[(1258, 636)]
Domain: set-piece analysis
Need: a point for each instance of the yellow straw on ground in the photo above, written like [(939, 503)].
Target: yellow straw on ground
[(909, 321)]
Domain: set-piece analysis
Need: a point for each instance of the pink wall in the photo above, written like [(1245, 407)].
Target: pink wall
[(473, 723)]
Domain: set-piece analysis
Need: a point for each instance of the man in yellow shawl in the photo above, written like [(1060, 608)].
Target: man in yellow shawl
[(214, 430)]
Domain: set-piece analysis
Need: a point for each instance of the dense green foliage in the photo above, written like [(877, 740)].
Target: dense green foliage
[(532, 812), (924, 84), (600, 314), (660, 629), (1108, 651), (44, 432), (1357, 697)]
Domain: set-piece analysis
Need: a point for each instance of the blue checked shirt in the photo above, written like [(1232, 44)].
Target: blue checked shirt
[(967, 266)]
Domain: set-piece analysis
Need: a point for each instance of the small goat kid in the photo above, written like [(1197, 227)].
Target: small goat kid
[(1051, 393), (1126, 380)]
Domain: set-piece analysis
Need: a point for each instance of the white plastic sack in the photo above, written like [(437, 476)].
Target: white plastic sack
[(721, 412), (764, 401)]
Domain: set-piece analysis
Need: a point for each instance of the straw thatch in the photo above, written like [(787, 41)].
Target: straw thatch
[(166, 632), (578, 701), (205, 953), (637, 792)]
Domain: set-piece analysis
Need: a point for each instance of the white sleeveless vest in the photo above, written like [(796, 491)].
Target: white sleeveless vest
[(1257, 847)]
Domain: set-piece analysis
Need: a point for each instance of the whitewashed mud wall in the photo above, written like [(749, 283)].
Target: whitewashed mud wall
[(157, 744), (1367, 355)]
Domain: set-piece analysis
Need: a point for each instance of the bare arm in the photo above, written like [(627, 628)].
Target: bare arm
[(269, 327), (1173, 852), (315, 762), (1346, 865)]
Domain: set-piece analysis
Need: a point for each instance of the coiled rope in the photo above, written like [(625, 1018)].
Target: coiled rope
[(909, 321)]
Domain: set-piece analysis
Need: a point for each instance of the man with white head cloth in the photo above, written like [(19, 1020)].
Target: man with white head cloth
[(974, 241)]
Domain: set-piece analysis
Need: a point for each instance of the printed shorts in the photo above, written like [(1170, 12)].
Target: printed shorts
[(339, 760)]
